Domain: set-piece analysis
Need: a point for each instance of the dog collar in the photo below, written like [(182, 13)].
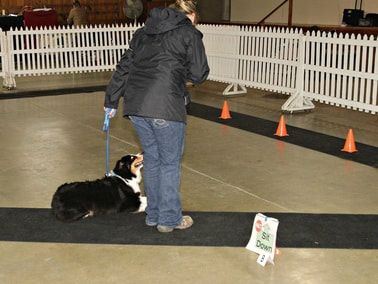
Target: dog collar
[(113, 174)]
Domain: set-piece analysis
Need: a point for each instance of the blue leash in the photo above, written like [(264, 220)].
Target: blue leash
[(106, 129)]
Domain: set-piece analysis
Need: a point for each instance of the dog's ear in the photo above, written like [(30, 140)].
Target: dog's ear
[(118, 165), (121, 164)]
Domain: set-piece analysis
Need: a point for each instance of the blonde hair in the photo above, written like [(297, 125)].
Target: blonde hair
[(185, 6)]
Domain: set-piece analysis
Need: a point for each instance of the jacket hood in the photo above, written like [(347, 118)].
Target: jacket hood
[(162, 20)]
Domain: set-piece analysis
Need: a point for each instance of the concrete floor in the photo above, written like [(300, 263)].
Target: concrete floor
[(46, 141)]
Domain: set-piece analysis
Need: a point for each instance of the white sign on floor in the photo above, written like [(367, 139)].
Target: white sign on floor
[(263, 238)]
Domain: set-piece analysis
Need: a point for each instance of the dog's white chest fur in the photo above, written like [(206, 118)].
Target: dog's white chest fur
[(134, 184)]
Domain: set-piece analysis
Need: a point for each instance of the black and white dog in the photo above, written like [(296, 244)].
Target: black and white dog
[(117, 192)]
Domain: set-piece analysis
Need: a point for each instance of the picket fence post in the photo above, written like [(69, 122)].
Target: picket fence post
[(9, 77), (297, 101), (235, 88)]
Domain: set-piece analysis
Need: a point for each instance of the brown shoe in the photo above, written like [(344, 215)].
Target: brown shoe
[(186, 223)]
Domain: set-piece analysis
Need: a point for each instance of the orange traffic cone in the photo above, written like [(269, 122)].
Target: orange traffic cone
[(349, 145), (281, 129), (225, 111)]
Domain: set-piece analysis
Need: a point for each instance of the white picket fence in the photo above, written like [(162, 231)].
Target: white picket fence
[(336, 69), (329, 68), (3, 54), (67, 50), (341, 70), (254, 57)]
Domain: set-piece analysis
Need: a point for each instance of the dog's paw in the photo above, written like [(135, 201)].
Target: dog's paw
[(143, 204), (90, 214)]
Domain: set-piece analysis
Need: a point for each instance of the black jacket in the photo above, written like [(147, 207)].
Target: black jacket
[(152, 74)]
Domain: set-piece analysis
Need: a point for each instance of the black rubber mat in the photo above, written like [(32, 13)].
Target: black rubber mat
[(367, 155), (216, 229), (43, 93), (327, 144)]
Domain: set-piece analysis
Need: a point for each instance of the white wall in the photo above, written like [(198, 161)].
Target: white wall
[(307, 12)]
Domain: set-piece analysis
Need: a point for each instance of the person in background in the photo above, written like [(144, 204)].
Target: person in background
[(25, 8), (78, 15), (151, 77), (134, 11)]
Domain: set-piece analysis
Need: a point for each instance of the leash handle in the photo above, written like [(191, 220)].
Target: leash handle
[(105, 127)]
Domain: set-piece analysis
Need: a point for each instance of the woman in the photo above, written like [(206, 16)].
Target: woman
[(78, 15), (151, 76)]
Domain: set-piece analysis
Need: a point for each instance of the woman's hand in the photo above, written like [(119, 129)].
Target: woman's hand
[(110, 111)]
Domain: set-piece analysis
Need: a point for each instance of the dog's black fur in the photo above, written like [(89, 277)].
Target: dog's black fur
[(111, 194)]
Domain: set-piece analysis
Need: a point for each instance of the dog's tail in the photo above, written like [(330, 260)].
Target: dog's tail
[(64, 213)]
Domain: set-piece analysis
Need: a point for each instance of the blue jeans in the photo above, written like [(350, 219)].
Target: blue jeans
[(163, 146)]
